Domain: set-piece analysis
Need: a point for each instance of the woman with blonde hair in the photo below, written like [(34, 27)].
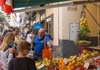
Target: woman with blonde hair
[(6, 51), (7, 40)]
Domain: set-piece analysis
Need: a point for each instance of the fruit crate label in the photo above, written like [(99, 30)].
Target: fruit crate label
[(87, 63)]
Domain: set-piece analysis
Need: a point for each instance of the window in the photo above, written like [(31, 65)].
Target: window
[(43, 16), (33, 21), (49, 25)]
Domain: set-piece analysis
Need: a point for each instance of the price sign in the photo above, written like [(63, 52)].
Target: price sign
[(65, 60), (41, 66), (87, 63), (74, 57)]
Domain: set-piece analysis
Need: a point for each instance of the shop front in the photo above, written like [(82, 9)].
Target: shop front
[(66, 54)]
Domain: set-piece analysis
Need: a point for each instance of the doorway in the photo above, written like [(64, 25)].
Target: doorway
[(49, 25), (43, 24)]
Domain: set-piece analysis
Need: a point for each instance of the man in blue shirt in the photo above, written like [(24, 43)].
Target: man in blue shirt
[(38, 44)]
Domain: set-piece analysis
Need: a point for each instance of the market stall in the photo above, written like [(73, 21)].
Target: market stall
[(88, 58), (85, 61)]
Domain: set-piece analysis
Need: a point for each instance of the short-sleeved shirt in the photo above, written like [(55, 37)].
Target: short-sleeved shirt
[(28, 39), (22, 64), (39, 44)]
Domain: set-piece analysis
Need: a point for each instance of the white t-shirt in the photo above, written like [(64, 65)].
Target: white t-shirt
[(5, 57), (28, 39)]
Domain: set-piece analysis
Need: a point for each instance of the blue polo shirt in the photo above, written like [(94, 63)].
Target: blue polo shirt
[(39, 44)]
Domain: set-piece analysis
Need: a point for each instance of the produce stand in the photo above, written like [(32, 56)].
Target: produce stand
[(71, 63), (87, 60), (82, 46)]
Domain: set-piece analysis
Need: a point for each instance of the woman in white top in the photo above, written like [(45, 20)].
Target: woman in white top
[(29, 36), (6, 51)]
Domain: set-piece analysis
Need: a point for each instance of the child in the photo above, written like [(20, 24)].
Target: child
[(21, 62)]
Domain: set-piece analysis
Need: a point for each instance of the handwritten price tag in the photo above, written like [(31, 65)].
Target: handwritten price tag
[(65, 60), (87, 63), (41, 66), (74, 57)]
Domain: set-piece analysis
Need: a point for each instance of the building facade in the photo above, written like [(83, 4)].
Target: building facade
[(57, 21)]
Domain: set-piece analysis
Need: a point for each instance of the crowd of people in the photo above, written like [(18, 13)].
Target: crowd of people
[(15, 46)]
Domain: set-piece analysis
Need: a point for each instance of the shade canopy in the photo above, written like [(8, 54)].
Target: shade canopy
[(26, 3)]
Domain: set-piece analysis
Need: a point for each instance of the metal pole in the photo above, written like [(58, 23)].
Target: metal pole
[(92, 16)]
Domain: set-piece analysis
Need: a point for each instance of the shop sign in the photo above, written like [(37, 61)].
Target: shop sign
[(37, 26), (72, 8)]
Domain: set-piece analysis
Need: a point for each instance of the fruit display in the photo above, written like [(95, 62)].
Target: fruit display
[(83, 32), (50, 64), (75, 62), (96, 61), (81, 67), (71, 63), (82, 42), (38, 63), (88, 54), (60, 64), (83, 22)]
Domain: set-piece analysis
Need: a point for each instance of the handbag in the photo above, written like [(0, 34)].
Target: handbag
[(46, 52)]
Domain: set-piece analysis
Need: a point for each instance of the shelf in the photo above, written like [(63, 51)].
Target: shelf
[(84, 44), (95, 48)]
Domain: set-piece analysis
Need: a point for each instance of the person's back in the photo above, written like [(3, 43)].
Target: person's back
[(21, 62)]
